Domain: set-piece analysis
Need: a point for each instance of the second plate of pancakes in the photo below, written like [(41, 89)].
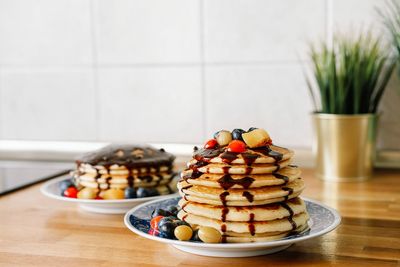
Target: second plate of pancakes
[(112, 206)]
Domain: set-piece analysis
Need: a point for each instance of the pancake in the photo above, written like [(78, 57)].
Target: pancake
[(151, 180), (278, 225), (251, 196), (121, 170), (222, 168), (226, 181), (263, 238), (239, 203), (121, 166), (247, 213)]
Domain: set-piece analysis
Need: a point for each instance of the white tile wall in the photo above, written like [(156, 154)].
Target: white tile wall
[(47, 105), (151, 31), (45, 32), (261, 30), (168, 71), (272, 97), (150, 104), (354, 15)]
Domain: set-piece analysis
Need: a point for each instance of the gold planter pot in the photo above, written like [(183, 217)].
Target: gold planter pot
[(345, 146)]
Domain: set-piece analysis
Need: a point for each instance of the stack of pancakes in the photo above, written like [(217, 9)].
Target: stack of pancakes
[(249, 197), (122, 166)]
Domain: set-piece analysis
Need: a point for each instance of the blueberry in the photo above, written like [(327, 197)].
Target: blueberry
[(167, 229), (65, 184), (130, 192), (160, 212), (215, 134), (169, 219), (146, 192), (173, 209), (251, 129), (195, 236), (237, 134), (180, 222)]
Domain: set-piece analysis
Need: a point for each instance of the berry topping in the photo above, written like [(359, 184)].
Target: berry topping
[(167, 229), (154, 222), (71, 192), (130, 192), (236, 146), (223, 137), (161, 212), (212, 143), (237, 134), (146, 192), (64, 185), (173, 210)]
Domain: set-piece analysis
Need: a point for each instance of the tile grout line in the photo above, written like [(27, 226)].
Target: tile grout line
[(94, 68), (202, 69), (151, 65)]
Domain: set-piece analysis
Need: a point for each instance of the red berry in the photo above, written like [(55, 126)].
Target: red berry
[(98, 197), (237, 146), (211, 144), (152, 232), (154, 222), (71, 192)]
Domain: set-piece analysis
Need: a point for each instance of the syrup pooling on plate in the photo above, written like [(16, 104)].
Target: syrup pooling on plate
[(124, 171), (241, 184)]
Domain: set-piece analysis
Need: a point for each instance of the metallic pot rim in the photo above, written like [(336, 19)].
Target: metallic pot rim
[(344, 116)]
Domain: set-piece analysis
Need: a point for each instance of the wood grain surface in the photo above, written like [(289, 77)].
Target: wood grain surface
[(37, 231)]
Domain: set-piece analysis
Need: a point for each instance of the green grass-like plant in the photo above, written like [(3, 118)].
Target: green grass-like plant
[(350, 77)]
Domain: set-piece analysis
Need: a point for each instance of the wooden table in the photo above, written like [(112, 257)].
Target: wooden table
[(35, 230)]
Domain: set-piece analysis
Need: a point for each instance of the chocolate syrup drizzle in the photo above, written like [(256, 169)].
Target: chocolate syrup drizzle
[(290, 191), (227, 182), (223, 196), (281, 176), (251, 226), (225, 211), (291, 213), (249, 196)]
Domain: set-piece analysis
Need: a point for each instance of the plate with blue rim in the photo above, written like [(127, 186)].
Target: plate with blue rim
[(323, 219)]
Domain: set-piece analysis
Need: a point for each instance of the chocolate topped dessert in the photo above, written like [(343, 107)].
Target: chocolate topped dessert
[(124, 171)]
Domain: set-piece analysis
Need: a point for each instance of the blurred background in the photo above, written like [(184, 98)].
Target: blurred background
[(170, 71)]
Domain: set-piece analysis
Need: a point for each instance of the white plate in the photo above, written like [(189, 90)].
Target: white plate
[(323, 219), (118, 206)]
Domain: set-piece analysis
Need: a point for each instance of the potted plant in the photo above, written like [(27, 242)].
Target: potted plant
[(349, 78)]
